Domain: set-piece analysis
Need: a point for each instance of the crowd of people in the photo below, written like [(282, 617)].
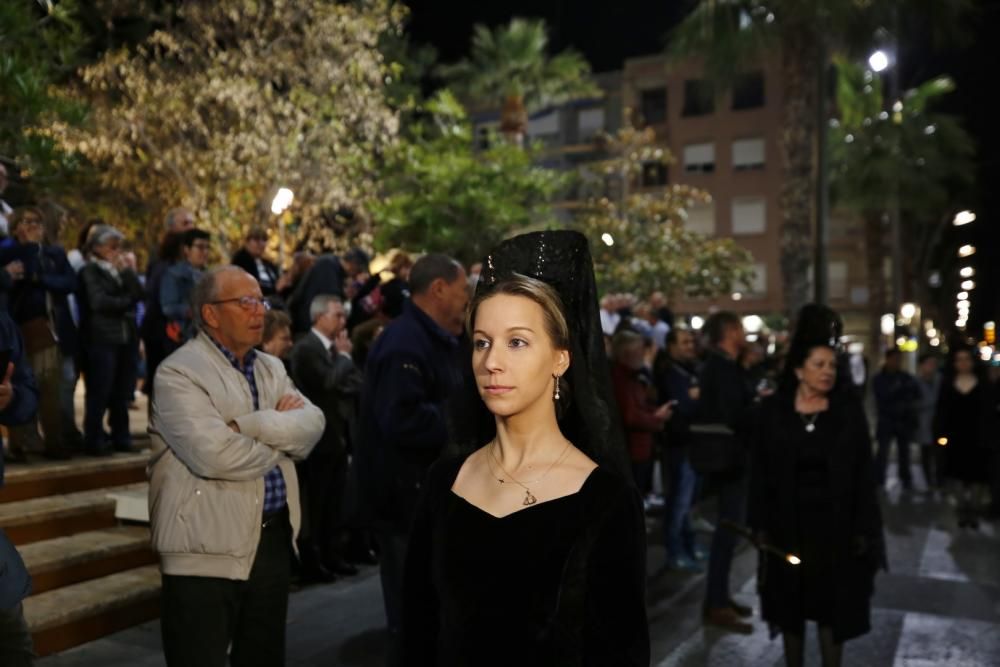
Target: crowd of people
[(405, 417)]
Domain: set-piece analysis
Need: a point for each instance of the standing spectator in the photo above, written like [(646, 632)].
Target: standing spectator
[(961, 420), (289, 281), (277, 338), (324, 371), (658, 302), (227, 426), (929, 384), (641, 417), (725, 400), (109, 294), (396, 291), (658, 329), (896, 395), (5, 209), (813, 496), (329, 274), (18, 403), (251, 259), (412, 369), (676, 380), (154, 324), (178, 220), (610, 318), (178, 282), (36, 299)]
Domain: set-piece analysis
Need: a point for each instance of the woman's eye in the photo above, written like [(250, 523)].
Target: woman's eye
[(481, 344), (518, 342)]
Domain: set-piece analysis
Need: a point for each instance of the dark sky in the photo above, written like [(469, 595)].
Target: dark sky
[(608, 31)]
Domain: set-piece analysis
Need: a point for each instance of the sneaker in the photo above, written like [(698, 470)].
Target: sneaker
[(684, 564), (725, 618)]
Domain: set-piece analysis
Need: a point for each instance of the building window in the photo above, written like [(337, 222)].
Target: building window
[(699, 158), (748, 154), (748, 91), (758, 284), (544, 125), (701, 219), (653, 105), (699, 97), (837, 275), (654, 174), (749, 215), (590, 122)]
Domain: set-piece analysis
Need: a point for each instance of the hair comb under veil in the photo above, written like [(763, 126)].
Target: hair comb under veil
[(562, 260)]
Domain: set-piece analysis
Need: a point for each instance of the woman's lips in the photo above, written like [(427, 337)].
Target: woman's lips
[(497, 390)]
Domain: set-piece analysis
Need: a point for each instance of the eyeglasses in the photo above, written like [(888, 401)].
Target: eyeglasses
[(248, 303)]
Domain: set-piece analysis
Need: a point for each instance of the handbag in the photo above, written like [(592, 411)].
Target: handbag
[(714, 449)]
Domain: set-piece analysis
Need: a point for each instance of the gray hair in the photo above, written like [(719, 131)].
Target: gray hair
[(206, 290), (429, 268), (170, 221), (102, 234), (320, 304)]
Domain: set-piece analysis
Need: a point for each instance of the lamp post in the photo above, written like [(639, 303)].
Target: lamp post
[(282, 200)]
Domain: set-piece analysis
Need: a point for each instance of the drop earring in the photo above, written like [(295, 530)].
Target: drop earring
[(556, 394)]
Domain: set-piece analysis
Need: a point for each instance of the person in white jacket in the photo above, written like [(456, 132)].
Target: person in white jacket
[(227, 426)]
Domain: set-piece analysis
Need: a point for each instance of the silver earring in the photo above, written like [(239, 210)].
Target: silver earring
[(556, 395)]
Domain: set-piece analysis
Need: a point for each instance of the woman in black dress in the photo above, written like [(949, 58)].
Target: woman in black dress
[(813, 495), (961, 425), (529, 548)]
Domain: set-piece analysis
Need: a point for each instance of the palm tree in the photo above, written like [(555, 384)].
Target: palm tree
[(927, 156), (731, 34), (510, 66)]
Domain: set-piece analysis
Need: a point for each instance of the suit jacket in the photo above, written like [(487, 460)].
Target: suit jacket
[(330, 381)]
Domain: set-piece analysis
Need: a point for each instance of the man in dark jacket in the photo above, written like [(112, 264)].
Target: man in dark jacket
[(725, 399), (323, 370), (251, 259), (896, 396), (411, 370), (34, 301), (330, 274), (18, 403)]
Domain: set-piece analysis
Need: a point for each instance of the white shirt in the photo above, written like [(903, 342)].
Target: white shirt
[(328, 344), (609, 322)]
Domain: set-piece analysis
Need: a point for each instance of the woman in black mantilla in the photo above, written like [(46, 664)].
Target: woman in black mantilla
[(529, 547), (812, 494)]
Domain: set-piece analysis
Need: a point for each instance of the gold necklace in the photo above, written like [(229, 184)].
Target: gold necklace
[(529, 497)]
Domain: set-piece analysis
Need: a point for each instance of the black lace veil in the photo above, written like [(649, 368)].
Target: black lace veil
[(589, 417)]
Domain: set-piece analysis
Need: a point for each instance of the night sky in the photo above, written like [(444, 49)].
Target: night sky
[(608, 31)]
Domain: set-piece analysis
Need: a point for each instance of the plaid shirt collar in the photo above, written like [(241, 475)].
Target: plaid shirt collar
[(248, 360)]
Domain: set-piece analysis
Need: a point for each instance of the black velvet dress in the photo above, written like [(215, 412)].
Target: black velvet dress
[(560, 583)]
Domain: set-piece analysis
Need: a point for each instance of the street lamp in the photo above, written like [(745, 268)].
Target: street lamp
[(879, 61), (967, 272), (607, 239), (963, 218), (968, 285), (282, 200), (967, 251)]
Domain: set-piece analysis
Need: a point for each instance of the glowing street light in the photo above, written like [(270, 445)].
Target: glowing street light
[(968, 285), (967, 272), (908, 310), (963, 218), (607, 239), (697, 322), (282, 200), (879, 61), (962, 296), (967, 251), (963, 304), (888, 324)]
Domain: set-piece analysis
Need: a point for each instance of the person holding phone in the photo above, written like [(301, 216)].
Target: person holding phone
[(18, 405)]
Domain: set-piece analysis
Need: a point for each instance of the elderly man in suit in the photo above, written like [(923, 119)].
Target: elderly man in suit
[(227, 426), (324, 371)]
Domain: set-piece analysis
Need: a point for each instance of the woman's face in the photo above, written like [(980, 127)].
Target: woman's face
[(513, 357), (819, 372), (963, 362), (281, 344), (108, 251)]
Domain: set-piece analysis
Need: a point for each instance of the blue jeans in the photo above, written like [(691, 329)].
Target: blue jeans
[(682, 480), (110, 380), (885, 433), (732, 500)]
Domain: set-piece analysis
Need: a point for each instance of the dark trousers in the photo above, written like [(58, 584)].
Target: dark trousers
[(642, 473), (110, 380), (732, 506), (201, 616), (322, 477), (15, 640), (885, 434), (392, 542), (679, 495)]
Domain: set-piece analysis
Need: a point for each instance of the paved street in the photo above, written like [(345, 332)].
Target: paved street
[(939, 605)]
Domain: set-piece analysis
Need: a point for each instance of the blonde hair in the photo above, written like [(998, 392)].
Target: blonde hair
[(541, 293)]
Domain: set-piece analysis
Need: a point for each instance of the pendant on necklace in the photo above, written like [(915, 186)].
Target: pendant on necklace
[(810, 427), (528, 498)]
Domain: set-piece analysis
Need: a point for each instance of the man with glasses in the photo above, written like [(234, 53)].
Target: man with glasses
[(41, 278), (227, 426), (177, 284)]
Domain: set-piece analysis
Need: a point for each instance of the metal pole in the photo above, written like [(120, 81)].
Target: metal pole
[(821, 276), (896, 234)]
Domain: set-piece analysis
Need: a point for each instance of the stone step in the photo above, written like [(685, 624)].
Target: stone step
[(64, 561), (46, 518), (40, 478), (72, 615)]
